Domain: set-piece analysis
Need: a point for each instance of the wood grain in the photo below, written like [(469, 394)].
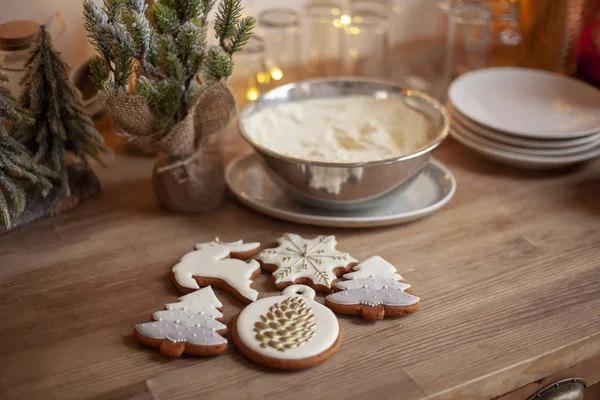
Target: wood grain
[(508, 274)]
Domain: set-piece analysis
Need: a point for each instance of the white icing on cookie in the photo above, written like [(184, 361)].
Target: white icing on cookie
[(373, 266), (180, 333), (210, 261), (188, 319), (235, 247), (191, 320), (320, 331), (296, 258), (203, 301), (372, 292)]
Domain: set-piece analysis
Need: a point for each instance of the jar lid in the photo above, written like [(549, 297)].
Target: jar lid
[(18, 35)]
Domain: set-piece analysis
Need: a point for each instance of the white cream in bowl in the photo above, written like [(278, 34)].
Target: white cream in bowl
[(344, 130)]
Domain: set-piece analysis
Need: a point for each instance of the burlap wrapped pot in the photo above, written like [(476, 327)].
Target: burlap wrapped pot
[(192, 185), (189, 176)]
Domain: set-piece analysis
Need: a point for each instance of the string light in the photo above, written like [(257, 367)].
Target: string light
[(337, 23), (355, 30), (276, 73), (252, 93), (345, 19), (261, 77)]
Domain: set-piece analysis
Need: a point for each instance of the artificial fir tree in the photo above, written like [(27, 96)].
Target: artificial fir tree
[(168, 42), (60, 125), (17, 166)]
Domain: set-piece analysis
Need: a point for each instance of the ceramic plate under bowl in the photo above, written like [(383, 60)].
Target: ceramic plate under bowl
[(516, 140), (528, 103), (430, 191)]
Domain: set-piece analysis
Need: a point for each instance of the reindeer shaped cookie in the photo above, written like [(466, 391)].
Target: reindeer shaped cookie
[(220, 265)]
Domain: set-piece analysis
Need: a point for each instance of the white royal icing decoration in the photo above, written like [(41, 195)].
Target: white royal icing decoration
[(210, 261), (372, 292), (296, 257), (194, 324), (326, 328), (373, 266), (186, 318), (201, 301)]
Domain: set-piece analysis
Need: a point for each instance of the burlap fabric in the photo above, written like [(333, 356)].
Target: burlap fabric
[(214, 109), (131, 113), (192, 185), (189, 177)]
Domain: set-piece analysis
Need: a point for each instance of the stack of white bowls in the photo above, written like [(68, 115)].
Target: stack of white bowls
[(526, 118)]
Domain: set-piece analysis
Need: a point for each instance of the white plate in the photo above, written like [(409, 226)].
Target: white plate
[(430, 191), (522, 160), (518, 141), (527, 102), (468, 134)]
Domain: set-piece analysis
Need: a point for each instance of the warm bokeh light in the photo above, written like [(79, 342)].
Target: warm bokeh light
[(337, 23), (261, 77), (355, 30), (335, 11), (276, 73), (346, 19), (252, 93)]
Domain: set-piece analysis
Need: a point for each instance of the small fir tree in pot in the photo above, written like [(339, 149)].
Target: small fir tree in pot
[(178, 95), (60, 124), (17, 166)]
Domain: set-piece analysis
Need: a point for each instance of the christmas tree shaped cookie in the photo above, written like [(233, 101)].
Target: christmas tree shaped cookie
[(374, 293), (218, 264), (189, 326), (314, 262)]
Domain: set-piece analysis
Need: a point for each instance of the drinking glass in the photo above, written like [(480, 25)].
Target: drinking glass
[(468, 42), (322, 38), (282, 48), (366, 38), (249, 68)]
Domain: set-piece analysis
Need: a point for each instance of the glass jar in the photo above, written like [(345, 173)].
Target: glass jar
[(250, 75), (366, 39), (281, 28), (322, 24), (17, 39)]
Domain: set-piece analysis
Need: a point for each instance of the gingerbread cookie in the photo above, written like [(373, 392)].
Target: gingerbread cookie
[(315, 262), (218, 264), (373, 298), (291, 331), (189, 327), (373, 267)]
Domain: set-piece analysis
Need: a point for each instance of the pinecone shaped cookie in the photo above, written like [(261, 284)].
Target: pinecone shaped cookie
[(291, 331)]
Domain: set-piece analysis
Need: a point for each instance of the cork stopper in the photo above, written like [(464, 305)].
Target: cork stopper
[(18, 35)]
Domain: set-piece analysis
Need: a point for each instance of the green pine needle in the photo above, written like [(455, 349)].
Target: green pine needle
[(167, 20), (219, 65), (61, 124)]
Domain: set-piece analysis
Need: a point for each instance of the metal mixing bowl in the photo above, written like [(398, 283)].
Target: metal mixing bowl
[(345, 185)]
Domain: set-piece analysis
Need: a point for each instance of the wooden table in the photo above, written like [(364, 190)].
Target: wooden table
[(508, 274)]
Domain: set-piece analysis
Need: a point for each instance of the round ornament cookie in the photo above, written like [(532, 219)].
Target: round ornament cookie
[(291, 331), (314, 262)]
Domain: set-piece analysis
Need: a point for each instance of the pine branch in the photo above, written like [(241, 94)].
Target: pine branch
[(241, 36), (207, 6), (219, 65), (99, 72), (167, 20), (228, 13), (113, 9)]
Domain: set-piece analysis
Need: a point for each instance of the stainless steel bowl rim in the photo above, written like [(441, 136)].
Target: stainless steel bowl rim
[(441, 135)]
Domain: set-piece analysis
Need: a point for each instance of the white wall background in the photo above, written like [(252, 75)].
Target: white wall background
[(412, 20)]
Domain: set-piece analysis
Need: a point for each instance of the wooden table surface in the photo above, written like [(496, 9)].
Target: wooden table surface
[(508, 273)]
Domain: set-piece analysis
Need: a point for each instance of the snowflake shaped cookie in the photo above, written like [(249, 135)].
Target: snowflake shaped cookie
[(315, 262)]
